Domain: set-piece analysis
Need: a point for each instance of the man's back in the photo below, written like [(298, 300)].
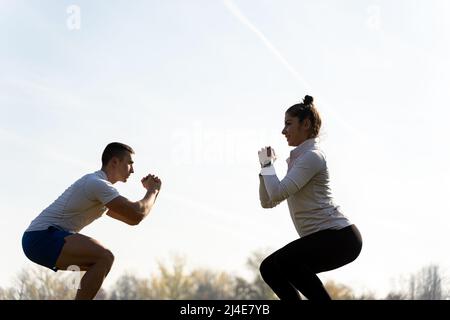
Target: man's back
[(80, 204)]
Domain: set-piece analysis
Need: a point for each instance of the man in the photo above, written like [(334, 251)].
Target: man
[(52, 239)]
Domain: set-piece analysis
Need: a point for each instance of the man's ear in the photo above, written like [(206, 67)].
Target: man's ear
[(114, 161)]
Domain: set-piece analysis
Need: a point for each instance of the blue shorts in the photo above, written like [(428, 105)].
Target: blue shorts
[(44, 247)]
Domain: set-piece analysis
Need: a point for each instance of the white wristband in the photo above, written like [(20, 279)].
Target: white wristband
[(268, 171)]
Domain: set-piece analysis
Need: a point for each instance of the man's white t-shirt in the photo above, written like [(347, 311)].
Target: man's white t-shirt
[(82, 203)]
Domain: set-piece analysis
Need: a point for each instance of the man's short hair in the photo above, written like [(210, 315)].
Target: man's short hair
[(115, 149)]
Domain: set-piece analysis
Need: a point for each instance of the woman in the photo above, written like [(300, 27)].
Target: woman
[(328, 240)]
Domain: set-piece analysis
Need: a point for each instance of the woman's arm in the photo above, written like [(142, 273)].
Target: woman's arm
[(264, 198), (298, 176)]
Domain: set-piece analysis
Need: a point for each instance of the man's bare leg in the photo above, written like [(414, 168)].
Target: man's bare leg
[(90, 256)]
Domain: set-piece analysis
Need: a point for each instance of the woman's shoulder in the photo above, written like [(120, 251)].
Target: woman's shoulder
[(315, 154), (311, 158)]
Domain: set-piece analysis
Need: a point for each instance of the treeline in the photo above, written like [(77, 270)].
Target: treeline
[(175, 282)]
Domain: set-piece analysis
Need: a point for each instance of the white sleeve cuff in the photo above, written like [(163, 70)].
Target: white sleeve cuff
[(268, 171)]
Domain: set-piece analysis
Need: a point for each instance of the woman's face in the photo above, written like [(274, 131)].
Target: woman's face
[(295, 131)]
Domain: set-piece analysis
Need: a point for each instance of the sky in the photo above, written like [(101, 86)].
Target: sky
[(197, 88)]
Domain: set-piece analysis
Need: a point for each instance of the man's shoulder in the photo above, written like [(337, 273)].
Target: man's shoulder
[(95, 176), (93, 181), (96, 185)]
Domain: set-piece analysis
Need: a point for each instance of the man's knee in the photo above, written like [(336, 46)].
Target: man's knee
[(107, 256)]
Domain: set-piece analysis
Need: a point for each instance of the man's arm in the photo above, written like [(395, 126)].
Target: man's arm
[(120, 217), (133, 213)]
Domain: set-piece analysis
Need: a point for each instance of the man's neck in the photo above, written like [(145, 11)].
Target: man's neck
[(109, 176)]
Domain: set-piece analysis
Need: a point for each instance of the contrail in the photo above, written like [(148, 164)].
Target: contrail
[(244, 20)]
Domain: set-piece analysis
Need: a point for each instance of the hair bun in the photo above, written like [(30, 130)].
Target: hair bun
[(308, 100)]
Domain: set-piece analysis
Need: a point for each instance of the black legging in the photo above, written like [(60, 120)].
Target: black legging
[(294, 267)]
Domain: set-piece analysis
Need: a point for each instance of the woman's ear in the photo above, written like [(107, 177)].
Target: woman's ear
[(306, 124)]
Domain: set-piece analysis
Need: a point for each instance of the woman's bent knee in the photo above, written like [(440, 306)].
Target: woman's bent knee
[(267, 267)]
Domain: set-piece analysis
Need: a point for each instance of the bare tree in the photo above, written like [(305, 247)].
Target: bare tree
[(339, 291), (171, 283), (38, 283), (126, 288), (426, 284), (211, 285), (102, 294), (174, 282), (430, 282), (257, 289), (244, 290), (412, 287), (7, 294), (368, 295), (393, 295)]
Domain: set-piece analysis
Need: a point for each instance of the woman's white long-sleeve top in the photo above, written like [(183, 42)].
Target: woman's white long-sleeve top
[(306, 187)]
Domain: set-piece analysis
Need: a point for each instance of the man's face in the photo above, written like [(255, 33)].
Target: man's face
[(124, 167)]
